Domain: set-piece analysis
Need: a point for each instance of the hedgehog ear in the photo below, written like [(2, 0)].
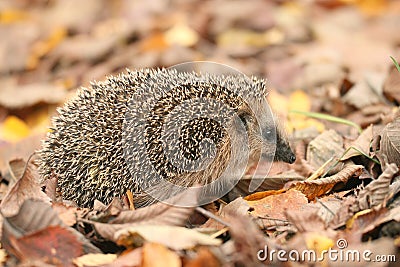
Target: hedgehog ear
[(245, 118)]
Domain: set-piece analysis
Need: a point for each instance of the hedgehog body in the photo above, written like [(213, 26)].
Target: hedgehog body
[(113, 136)]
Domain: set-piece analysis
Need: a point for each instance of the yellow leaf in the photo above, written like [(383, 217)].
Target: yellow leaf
[(38, 121), (154, 42), (370, 7), (43, 47), (239, 37), (182, 35), (299, 100), (278, 102), (12, 15), (14, 129), (318, 242)]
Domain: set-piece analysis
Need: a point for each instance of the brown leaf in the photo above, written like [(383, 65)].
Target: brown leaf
[(391, 86), (248, 241), (325, 146), (157, 255), (376, 191), (361, 145), (27, 187), (156, 214), (204, 257), (22, 149), (306, 220), (54, 244), (316, 188), (274, 206), (367, 220), (390, 141), (237, 207), (267, 182), (15, 96), (34, 216), (344, 213), (85, 47), (130, 258), (68, 214)]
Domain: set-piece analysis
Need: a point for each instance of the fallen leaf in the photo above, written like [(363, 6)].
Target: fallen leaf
[(14, 129), (8, 16), (204, 257), (315, 188), (361, 145), (156, 214), (94, 260), (375, 192), (322, 148), (391, 86), (181, 34), (390, 141), (54, 244), (34, 216), (41, 48), (19, 96), (274, 206), (68, 214), (248, 241), (27, 187), (157, 255), (173, 237)]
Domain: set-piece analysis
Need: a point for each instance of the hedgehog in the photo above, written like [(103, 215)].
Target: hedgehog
[(146, 129)]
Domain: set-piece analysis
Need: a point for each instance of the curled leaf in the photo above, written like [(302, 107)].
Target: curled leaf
[(390, 141)]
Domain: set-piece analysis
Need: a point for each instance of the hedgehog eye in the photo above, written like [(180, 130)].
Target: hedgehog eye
[(268, 134)]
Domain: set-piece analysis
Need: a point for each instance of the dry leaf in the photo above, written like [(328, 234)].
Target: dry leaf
[(274, 206), (22, 149), (237, 207), (181, 34), (14, 96), (361, 95), (35, 216), (54, 245), (325, 146), (68, 214), (391, 86), (27, 187), (176, 238), (204, 257), (13, 129), (248, 241), (156, 214), (362, 144), (157, 255), (89, 260), (130, 258), (390, 141), (375, 192), (315, 188)]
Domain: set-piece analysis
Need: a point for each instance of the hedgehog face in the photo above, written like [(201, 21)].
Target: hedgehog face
[(266, 137)]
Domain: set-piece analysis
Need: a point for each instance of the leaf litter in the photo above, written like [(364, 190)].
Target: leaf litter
[(331, 68)]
